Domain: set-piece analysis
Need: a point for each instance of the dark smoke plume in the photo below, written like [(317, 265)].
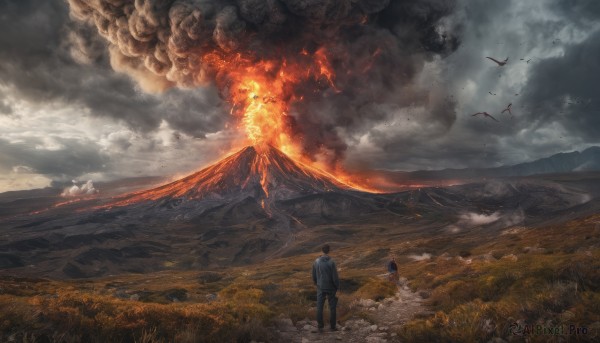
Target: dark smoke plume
[(377, 48)]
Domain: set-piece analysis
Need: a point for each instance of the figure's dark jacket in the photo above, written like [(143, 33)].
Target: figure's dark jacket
[(324, 274), (392, 267)]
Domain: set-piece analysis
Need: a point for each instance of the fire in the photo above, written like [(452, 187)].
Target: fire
[(262, 91)]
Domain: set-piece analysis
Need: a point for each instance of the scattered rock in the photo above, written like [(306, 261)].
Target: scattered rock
[(510, 257), (366, 302), (464, 260), (375, 339), (488, 257), (134, 297), (211, 297), (285, 325), (488, 326), (373, 327)]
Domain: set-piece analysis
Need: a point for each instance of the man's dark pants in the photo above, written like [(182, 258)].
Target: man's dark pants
[(332, 300)]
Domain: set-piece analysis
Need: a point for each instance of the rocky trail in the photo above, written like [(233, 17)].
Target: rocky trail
[(385, 319)]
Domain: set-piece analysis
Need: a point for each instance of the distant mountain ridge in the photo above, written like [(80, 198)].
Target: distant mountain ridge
[(587, 160)]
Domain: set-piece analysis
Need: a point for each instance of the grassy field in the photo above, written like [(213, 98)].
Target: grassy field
[(476, 283), (547, 277)]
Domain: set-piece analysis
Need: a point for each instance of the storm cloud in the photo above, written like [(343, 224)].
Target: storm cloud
[(40, 48), (564, 89), (64, 159), (550, 78)]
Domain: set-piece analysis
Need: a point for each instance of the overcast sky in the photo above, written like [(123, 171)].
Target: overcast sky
[(67, 111)]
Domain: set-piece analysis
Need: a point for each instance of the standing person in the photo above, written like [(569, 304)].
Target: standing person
[(393, 270), (325, 277)]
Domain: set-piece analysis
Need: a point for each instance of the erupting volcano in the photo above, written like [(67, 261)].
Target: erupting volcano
[(273, 167), (269, 61), (261, 172)]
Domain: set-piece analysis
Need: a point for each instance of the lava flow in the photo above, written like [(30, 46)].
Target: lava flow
[(262, 172)]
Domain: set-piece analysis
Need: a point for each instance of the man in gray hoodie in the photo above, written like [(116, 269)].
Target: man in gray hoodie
[(325, 277)]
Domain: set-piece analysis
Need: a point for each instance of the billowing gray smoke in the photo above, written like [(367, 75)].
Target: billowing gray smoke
[(377, 48)]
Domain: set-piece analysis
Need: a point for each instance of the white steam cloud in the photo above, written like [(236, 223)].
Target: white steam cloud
[(424, 256), (77, 191), (475, 219)]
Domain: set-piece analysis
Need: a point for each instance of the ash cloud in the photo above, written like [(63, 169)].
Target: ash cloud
[(40, 46), (377, 48)]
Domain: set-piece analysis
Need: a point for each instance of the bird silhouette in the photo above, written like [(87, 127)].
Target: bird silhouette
[(507, 109), (485, 114), (500, 63)]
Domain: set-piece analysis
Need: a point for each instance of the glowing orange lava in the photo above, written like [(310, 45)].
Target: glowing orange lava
[(261, 92)]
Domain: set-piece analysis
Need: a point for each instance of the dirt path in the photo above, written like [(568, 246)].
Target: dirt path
[(388, 316)]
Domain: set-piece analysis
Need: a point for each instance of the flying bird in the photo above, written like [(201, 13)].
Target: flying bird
[(508, 109), (485, 114), (492, 93), (500, 63)]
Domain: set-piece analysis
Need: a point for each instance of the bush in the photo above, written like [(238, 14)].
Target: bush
[(74, 316), (376, 289)]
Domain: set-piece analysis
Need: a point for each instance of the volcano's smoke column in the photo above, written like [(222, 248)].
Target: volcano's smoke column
[(298, 73)]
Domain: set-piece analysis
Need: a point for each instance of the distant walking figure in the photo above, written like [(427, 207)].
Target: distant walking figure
[(393, 270), (325, 277)]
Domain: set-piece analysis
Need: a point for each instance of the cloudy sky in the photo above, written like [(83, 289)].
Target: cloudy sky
[(78, 103)]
